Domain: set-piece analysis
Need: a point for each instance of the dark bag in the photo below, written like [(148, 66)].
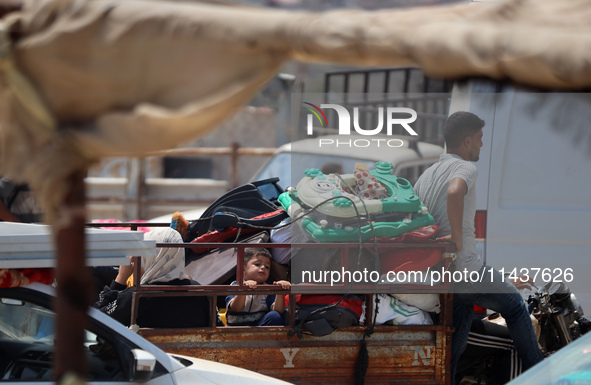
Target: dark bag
[(237, 207), (19, 200), (8, 192), (327, 320), (319, 314)]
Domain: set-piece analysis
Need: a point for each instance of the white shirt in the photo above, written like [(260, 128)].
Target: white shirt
[(431, 188)]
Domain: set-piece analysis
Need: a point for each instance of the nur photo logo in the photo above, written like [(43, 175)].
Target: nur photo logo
[(387, 118), (344, 119)]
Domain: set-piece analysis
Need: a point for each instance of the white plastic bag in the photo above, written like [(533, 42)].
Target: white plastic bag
[(426, 302), (392, 309), (288, 234)]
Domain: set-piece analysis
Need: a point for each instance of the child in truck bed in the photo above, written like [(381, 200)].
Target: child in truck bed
[(253, 310)]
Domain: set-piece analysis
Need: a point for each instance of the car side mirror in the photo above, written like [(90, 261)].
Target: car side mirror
[(142, 365)]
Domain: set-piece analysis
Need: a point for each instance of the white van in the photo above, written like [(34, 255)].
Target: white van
[(534, 182)]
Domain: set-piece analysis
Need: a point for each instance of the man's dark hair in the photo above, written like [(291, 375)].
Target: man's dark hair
[(250, 252), (459, 125)]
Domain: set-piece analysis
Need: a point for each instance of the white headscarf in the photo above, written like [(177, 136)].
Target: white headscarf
[(169, 264)]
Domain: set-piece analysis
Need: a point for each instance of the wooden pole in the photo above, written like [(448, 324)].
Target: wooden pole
[(74, 283), (234, 164)]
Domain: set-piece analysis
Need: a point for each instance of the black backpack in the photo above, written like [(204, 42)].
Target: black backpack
[(238, 206), (28, 210), (321, 319)]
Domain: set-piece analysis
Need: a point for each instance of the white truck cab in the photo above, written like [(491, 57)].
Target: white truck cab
[(534, 182), (115, 354)]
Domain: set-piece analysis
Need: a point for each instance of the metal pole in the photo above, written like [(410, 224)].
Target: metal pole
[(74, 282), (141, 190)]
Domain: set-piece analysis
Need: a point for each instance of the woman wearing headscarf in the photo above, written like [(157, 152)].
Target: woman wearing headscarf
[(166, 268)]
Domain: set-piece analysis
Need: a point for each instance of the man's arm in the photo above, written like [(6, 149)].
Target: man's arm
[(125, 271), (456, 192)]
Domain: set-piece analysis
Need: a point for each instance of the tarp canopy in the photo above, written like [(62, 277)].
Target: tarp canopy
[(111, 77)]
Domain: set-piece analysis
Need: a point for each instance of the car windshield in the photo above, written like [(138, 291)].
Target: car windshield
[(571, 365), (22, 321), (26, 322), (27, 336), (285, 164)]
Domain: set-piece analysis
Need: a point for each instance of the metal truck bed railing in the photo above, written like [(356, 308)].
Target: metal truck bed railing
[(397, 354)]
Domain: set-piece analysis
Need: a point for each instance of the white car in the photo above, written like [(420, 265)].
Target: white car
[(115, 354), (408, 156)]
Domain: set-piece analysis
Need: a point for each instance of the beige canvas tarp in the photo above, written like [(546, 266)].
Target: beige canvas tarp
[(129, 77)]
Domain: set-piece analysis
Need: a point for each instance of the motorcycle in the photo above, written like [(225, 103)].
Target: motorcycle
[(559, 315), (490, 357)]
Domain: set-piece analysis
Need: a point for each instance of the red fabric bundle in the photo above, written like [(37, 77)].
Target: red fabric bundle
[(229, 233), (22, 277), (420, 234), (411, 259)]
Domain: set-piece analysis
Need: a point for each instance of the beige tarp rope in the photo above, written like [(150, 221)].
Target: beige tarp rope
[(135, 76)]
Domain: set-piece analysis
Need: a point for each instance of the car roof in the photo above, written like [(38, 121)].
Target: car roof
[(377, 151)]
